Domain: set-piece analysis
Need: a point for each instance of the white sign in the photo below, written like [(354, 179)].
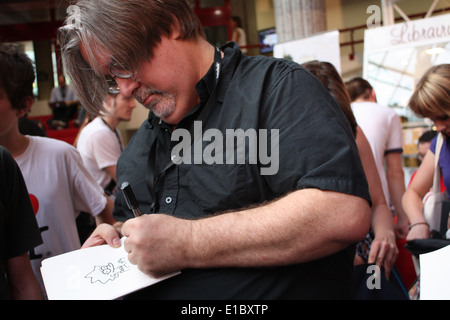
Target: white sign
[(409, 34), (397, 56), (322, 47), (435, 275)]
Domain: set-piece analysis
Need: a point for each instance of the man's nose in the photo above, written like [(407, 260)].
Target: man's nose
[(127, 86)]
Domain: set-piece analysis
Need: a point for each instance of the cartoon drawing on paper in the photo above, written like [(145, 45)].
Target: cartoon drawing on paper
[(108, 272)]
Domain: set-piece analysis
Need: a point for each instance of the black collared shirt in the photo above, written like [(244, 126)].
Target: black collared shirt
[(316, 149)]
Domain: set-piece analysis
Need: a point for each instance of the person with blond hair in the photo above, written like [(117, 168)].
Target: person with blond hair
[(431, 99)]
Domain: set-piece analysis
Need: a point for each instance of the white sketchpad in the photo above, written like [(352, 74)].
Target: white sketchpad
[(98, 273), (435, 275)]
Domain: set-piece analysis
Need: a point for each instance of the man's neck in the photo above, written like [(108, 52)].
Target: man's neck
[(202, 53), (16, 143)]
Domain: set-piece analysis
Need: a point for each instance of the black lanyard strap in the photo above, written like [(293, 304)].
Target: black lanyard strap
[(150, 174), (116, 133)]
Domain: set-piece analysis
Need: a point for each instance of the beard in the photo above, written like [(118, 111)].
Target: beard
[(162, 104)]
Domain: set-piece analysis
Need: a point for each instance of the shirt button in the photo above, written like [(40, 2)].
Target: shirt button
[(169, 200)]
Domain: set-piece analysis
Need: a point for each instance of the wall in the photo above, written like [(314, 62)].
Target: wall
[(44, 77), (265, 14)]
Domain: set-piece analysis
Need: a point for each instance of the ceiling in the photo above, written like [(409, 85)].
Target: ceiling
[(31, 11), (30, 5)]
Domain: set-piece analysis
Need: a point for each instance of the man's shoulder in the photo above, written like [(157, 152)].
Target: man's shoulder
[(267, 73), (261, 70), (263, 63), (50, 146), (259, 63)]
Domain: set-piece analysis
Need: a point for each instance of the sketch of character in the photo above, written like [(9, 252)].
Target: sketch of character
[(108, 272)]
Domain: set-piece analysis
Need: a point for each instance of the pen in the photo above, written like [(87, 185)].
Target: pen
[(130, 199)]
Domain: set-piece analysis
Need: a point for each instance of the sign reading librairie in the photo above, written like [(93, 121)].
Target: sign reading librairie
[(413, 33)]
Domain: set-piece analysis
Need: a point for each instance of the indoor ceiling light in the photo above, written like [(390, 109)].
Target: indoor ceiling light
[(436, 50)]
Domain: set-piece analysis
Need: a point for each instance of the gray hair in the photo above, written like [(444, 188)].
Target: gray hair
[(126, 31)]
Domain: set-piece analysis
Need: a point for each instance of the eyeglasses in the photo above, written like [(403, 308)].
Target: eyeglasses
[(118, 72)]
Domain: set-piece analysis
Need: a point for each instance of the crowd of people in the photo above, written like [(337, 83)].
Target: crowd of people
[(234, 232)]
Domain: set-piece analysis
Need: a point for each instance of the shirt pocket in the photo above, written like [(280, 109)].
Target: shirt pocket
[(216, 188)]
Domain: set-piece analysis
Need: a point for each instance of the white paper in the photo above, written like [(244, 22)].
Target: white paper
[(98, 273), (435, 275)]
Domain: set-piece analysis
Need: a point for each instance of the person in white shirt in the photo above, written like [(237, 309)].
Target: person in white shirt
[(59, 185), (238, 33), (64, 104), (383, 129), (100, 143)]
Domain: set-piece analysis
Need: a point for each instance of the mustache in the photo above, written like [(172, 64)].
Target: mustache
[(142, 94)]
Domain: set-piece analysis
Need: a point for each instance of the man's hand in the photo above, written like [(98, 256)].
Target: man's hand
[(157, 243)]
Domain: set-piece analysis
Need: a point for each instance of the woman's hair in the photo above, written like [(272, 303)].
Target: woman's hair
[(127, 31), (330, 78), (431, 97), (359, 88), (16, 75)]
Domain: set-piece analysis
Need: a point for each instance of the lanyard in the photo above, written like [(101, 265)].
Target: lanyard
[(117, 135), (151, 179), (217, 64)]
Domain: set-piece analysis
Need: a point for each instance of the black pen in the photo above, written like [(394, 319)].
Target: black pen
[(130, 199)]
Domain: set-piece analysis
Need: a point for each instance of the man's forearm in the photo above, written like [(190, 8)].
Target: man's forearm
[(303, 226)]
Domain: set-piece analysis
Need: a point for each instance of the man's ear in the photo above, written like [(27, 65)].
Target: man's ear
[(175, 32), (29, 101), (373, 96)]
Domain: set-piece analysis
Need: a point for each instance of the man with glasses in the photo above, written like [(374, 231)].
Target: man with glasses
[(234, 233)]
